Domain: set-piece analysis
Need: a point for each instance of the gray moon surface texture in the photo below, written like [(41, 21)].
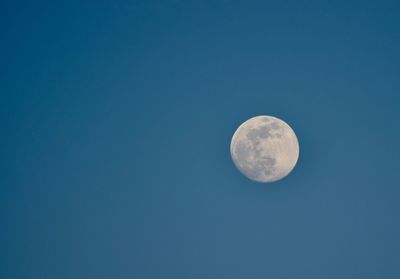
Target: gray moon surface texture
[(265, 149)]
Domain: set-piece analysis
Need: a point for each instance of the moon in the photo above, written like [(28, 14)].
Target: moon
[(265, 149)]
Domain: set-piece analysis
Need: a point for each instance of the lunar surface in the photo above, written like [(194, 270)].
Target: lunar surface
[(265, 149)]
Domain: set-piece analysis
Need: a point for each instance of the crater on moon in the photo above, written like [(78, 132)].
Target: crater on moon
[(264, 149)]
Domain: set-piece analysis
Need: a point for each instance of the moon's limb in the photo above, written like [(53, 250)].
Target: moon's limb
[(265, 149)]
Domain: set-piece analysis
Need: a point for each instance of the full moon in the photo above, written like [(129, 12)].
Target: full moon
[(265, 149)]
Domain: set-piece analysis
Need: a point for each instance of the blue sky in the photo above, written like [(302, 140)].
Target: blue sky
[(116, 123)]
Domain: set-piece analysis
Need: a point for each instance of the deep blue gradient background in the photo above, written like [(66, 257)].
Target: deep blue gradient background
[(116, 123)]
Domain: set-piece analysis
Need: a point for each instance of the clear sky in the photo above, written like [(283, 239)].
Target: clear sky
[(116, 119)]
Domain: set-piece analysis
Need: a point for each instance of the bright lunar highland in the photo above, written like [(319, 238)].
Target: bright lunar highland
[(265, 149)]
